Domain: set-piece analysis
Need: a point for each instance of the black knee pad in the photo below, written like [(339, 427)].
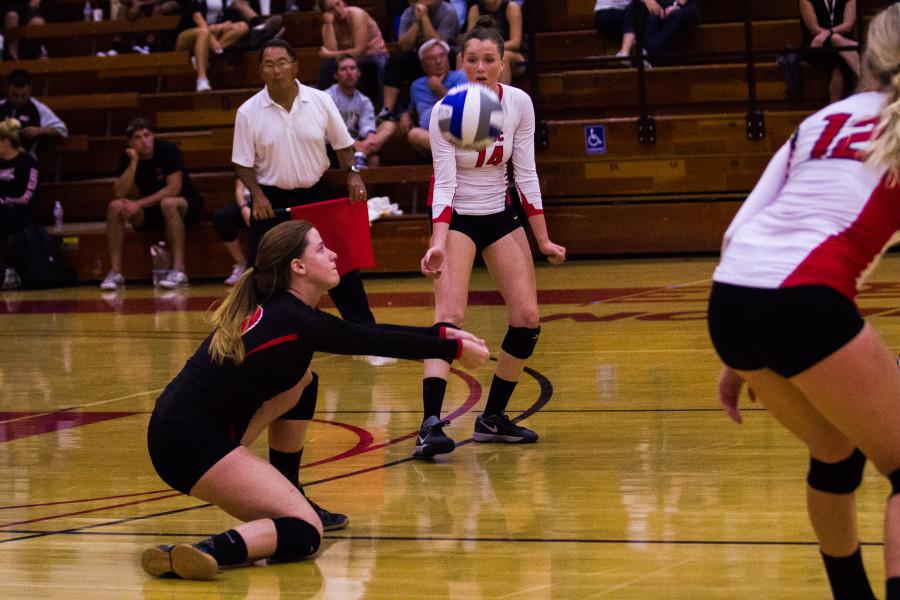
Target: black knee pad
[(837, 478), (306, 405), (520, 341), (296, 539), (895, 482)]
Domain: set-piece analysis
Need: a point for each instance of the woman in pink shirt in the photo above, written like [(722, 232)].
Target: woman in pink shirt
[(351, 30)]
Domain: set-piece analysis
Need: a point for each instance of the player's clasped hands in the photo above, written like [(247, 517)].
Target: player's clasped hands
[(475, 352)]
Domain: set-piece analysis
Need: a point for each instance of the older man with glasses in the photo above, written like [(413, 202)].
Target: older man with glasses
[(279, 154)]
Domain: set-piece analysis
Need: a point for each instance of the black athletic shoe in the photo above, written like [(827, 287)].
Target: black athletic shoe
[(498, 428), (431, 439), (330, 520), (183, 560)]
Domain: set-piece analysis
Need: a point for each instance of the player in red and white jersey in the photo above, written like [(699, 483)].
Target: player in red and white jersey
[(472, 214), (819, 214), (782, 316)]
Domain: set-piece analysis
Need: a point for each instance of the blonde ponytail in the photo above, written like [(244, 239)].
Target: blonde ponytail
[(882, 61), (884, 151), (270, 275), (228, 320)]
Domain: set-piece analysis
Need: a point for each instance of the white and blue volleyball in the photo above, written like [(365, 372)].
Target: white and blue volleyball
[(470, 116)]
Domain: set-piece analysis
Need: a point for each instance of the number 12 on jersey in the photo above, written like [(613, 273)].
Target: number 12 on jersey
[(846, 146)]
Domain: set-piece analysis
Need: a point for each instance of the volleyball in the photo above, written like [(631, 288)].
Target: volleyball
[(470, 116)]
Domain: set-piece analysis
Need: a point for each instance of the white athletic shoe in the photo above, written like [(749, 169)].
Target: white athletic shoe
[(112, 282), (203, 85), (236, 273), (174, 279)]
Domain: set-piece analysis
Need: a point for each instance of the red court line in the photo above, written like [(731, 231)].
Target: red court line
[(82, 500), (362, 446), (366, 438), (90, 510), (137, 306), (39, 423)]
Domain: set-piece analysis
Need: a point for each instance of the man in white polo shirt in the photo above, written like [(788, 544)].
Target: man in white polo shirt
[(279, 153)]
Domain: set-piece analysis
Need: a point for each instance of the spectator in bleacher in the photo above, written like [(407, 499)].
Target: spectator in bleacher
[(198, 37), (131, 10), (18, 13), (166, 197), (351, 30), (828, 24), (462, 9), (427, 90), (227, 221), (18, 184), (615, 19), (665, 21), (423, 20), (358, 114), (39, 123), (508, 17)]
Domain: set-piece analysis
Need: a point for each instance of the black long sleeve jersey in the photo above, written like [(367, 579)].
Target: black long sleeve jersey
[(279, 340)]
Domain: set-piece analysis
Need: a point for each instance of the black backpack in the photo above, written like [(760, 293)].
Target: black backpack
[(36, 259)]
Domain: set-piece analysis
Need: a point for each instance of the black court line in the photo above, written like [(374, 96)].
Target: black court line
[(643, 410), (504, 540), (546, 393), (74, 530)]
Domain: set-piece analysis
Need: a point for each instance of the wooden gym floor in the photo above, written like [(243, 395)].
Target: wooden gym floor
[(639, 487)]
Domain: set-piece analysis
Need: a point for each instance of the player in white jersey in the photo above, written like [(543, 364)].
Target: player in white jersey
[(782, 315), (471, 214)]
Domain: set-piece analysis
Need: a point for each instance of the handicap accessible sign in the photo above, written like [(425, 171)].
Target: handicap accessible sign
[(595, 139)]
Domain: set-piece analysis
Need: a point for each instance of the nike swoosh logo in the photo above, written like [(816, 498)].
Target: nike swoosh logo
[(492, 429)]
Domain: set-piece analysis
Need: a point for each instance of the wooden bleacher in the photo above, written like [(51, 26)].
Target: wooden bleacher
[(673, 196)]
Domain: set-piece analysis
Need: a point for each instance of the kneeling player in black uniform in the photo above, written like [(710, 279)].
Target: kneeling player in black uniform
[(250, 374)]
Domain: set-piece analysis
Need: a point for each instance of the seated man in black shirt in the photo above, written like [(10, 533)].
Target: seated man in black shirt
[(166, 197)]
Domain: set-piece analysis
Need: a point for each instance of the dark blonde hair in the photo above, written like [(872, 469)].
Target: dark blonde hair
[(882, 59), (270, 275), (9, 130), (485, 29)]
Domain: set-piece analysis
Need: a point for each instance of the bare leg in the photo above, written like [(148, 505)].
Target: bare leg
[(173, 210), (236, 252), (201, 52), (418, 138), (858, 389), (115, 231), (836, 85), (833, 516), (229, 33), (627, 44), (250, 489), (509, 262), (451, 292), (12, 20)]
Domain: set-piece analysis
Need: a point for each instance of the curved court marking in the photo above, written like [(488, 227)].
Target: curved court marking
[(546, 392)]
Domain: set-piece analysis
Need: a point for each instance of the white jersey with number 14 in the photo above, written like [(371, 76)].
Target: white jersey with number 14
[(474, 182)]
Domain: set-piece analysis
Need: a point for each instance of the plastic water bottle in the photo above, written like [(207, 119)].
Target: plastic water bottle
[(57, 215), (88, 12), (162, 261)]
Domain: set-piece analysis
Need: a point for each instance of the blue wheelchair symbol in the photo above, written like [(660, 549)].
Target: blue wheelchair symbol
[(595, 139)]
